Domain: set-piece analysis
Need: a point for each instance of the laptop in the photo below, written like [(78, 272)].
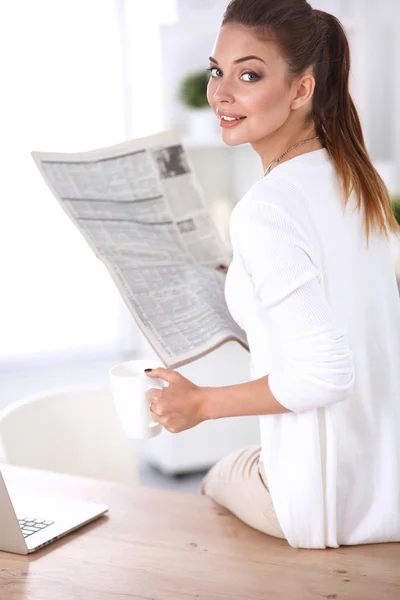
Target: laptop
[(27, 525)]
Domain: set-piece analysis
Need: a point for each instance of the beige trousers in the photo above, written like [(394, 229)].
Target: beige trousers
[(238, 483)]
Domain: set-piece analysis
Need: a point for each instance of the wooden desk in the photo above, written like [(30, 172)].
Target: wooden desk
[(161, 545)]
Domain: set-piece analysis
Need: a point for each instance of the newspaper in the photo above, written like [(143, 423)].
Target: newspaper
[(141, 210)]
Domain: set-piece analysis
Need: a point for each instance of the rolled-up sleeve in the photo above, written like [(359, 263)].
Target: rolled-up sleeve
[(316, 362)]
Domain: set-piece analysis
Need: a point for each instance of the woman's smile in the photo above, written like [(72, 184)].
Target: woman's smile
[(227, 119)]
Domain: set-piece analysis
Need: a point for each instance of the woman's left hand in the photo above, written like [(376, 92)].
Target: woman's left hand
[(179, 406)]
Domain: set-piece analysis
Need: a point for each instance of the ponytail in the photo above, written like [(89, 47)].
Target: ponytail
[(339, 129)]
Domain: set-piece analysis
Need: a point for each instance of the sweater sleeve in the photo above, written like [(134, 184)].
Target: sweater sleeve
[(316, 360)]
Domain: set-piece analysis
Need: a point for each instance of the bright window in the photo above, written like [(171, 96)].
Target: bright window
[(62, 90)]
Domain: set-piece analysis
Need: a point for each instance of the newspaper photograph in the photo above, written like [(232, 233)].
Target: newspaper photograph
[(140, 207)]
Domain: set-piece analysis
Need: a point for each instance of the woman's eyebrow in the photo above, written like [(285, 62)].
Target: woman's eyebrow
[(239, 60)]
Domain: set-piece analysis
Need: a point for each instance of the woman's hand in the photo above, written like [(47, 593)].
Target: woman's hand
[(179, 406)]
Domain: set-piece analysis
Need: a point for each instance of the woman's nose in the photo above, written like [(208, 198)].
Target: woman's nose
[(223, 92)]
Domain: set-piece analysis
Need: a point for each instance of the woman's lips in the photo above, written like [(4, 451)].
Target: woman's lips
[(228, 124)]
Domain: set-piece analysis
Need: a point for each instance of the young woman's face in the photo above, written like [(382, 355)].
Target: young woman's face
[(254, 90)]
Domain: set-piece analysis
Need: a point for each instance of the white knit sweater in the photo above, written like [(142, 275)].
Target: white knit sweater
[(322, 316)]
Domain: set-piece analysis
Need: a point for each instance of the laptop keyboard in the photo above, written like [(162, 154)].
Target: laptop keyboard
[(31, 525)]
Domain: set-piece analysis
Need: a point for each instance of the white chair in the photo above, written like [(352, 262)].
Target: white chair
[(68, 431)]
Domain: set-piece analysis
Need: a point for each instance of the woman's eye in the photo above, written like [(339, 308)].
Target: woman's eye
[(250, 76), (214, 72)]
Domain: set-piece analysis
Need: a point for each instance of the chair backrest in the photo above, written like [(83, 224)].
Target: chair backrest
[(68, 431)]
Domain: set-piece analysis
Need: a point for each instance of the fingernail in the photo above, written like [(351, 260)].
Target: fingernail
[(147, 370)]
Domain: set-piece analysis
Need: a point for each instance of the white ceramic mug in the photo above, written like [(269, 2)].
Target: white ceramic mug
[(129, 385)]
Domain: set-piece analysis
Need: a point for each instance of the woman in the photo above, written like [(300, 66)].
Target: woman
[(312, 283)]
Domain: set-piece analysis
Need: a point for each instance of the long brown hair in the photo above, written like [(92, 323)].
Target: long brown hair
[(314, 38)]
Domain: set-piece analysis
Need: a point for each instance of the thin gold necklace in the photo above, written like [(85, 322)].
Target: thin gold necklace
[(277, 160)]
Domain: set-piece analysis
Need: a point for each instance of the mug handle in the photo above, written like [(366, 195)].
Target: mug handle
[(161, 385)]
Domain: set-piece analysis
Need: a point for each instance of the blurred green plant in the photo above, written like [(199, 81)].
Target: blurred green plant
[(193, 90), (396, 207)]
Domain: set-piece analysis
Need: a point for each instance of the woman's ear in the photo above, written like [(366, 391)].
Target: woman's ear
[(304, 91)]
